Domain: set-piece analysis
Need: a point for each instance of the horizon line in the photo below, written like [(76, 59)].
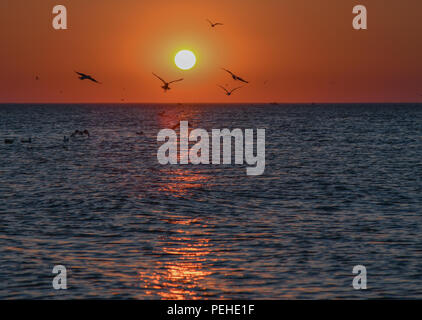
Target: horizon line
[(221, 102)]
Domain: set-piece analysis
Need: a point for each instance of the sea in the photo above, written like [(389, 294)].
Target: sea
[(342, 187)]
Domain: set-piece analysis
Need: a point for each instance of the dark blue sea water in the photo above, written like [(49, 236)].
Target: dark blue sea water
[(342, 187)]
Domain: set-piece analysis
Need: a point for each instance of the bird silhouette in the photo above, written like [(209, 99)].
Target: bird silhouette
[(229, 92), (83, 76), (235, 77), (79, 133), (166, 84), (212, 24)]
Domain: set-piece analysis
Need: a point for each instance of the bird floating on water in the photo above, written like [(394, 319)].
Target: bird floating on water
[(9, 141), (80, 133), (166, 84), (83, 76), (235, 77), (28, 140), (212, 24), (229, 92)]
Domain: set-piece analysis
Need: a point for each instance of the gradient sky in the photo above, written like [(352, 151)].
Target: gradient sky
[(290, 50)]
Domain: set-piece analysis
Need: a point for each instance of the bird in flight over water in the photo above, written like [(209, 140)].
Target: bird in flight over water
[(83, 76), (229, 93), (212, 24), (166, 84), (235, 77)]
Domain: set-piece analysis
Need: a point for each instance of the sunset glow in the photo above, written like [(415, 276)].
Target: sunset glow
[(290, 51)]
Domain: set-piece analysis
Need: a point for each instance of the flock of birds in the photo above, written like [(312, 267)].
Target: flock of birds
[(166, 85), (75, 134)]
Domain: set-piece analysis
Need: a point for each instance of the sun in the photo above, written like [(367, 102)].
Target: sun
[(185, 59)]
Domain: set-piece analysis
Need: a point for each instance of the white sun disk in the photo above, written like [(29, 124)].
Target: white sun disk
[(185, 59)]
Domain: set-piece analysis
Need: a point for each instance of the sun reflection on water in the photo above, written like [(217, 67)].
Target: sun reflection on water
[(184, 268), (184, 274), (183, 182)]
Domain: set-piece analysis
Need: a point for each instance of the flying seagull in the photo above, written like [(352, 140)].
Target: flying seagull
[(235, 77), (214, 24), (166, 84), (83, 76), (231, 91)]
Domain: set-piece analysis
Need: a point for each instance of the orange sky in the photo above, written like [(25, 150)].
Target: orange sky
[(305, 50)]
